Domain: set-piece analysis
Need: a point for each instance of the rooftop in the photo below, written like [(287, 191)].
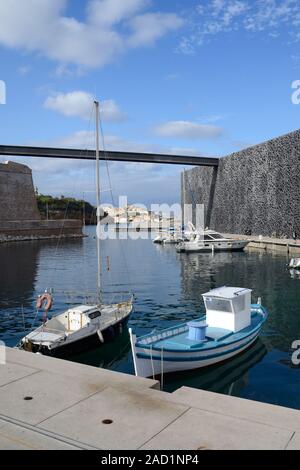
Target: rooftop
[(227, 292)]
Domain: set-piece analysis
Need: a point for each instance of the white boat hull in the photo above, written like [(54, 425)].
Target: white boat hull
[(152, 363), (208, 247), (61, 343)]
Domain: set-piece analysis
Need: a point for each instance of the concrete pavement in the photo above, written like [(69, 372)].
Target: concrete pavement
[(47, 403)]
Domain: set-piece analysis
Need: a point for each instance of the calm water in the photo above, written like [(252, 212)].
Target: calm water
[(168, 288)]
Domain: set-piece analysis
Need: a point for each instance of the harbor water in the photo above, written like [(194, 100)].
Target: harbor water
[(168, 288)]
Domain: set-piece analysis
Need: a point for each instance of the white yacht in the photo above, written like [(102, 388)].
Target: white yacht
[(211, 241)]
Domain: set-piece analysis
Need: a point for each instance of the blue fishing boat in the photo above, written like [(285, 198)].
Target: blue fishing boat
[(231, 325)]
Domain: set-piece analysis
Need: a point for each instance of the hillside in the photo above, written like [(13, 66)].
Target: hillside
[(66, 208)]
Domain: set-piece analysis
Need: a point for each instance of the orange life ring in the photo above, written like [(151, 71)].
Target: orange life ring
[(46, 297)]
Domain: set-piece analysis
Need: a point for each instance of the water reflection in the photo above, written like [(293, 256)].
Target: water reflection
[(230, 377), (295, 273), (19, 264)]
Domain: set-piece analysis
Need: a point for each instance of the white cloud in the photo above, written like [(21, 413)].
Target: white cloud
[(110, 12), (24, 70), (213, 118), (225, 16), (80, 104), (188, 130), (147, 28), (110, 111), (111, 27)]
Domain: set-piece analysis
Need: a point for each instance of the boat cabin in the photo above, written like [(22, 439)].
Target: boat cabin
[(74, 319), (228, 308), (64, 324), (211, 236)]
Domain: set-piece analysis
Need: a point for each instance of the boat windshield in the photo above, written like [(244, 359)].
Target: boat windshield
[(220, 305), (94, 315), (239, 303), (216, 236)]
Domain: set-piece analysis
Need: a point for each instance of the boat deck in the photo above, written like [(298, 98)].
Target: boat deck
[(213, 337), (46, 335)]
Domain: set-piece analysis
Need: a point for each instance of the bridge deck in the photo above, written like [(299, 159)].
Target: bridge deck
[(47, 152)]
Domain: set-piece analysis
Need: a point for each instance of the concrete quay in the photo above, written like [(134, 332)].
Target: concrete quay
[(280, 245), (47, 403), (29, 230)]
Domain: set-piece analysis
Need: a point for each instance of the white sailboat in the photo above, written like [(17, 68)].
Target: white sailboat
[(81, 327)]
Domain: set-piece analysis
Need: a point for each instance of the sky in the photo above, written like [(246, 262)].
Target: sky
[(175, 76)]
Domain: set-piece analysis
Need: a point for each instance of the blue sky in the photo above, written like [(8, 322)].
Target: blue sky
[(182, 76)]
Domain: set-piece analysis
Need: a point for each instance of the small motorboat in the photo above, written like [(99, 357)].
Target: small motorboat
[(168, 237), (295, 263), (172, 239), (159, 239), (211, 241), (231, 325), (78, 329)]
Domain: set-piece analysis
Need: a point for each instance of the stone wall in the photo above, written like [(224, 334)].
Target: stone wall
[(19, 215), (39, 230), (17, 196), (253, 191)]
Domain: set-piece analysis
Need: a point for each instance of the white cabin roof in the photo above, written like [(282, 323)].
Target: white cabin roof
[(227, 292), (83, 308)]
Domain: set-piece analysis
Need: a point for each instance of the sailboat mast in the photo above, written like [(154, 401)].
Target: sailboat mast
[(98, 200)]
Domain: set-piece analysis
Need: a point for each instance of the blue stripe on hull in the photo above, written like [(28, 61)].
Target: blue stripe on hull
[(195, 358)]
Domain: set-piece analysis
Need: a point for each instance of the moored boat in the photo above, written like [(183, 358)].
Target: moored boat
[(168, 237), (159, 239), (231, 325), (295, 263), (211, 241), (78, 329)]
